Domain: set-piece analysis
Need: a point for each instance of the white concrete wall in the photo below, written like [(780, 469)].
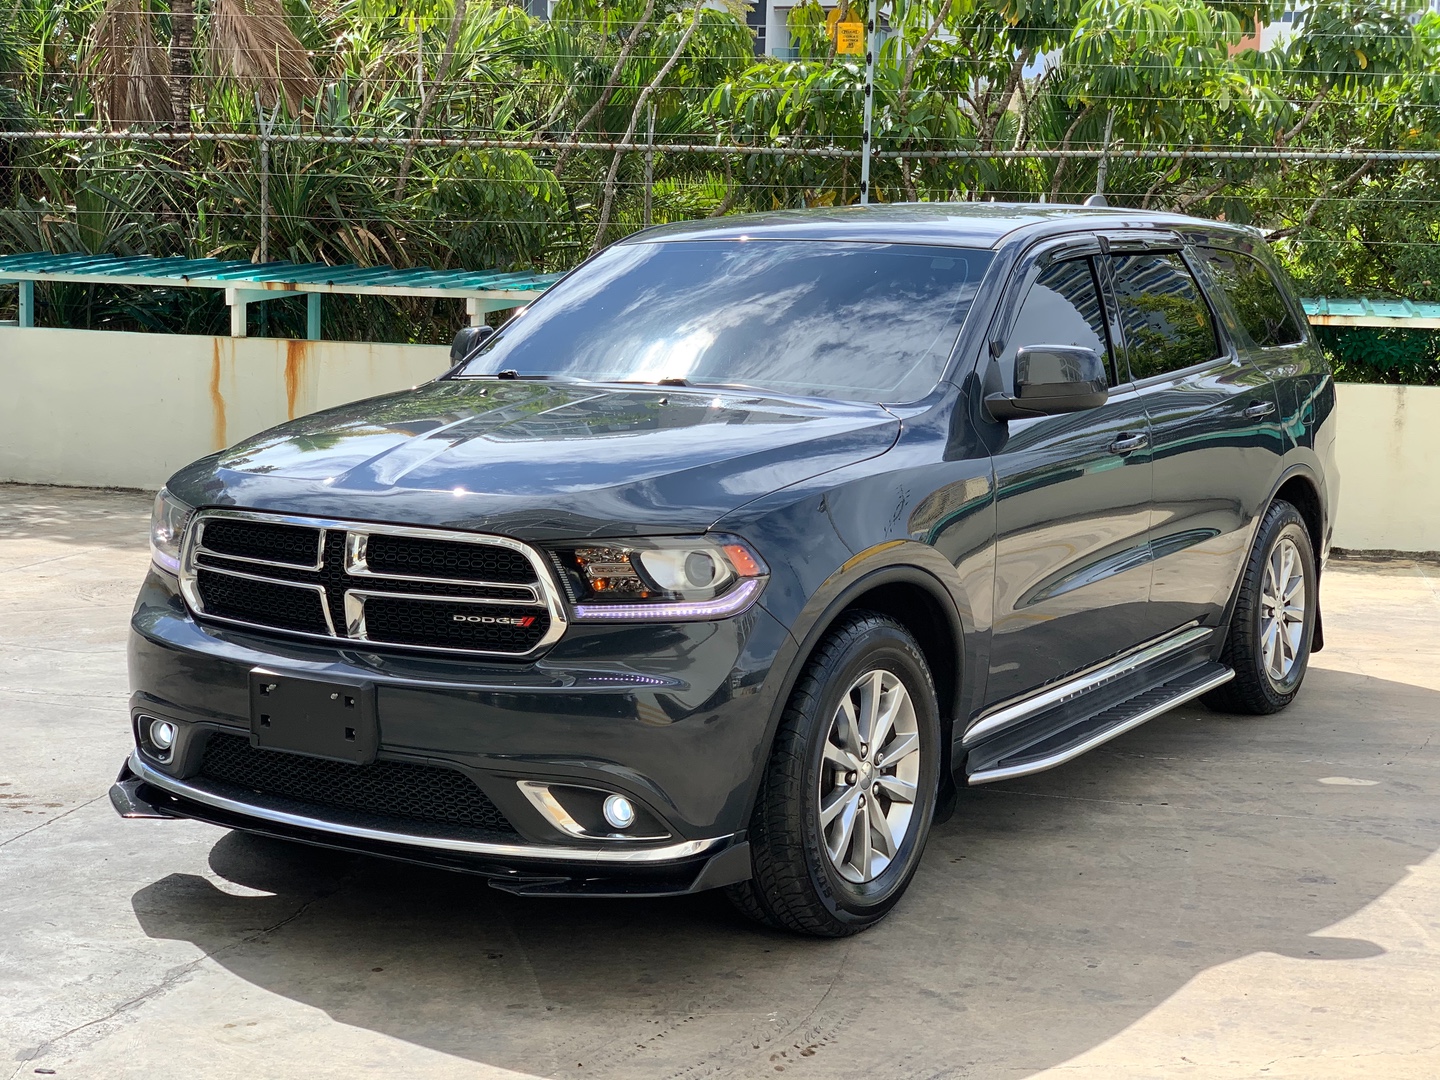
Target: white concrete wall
[(127, 410), (1388, 453)]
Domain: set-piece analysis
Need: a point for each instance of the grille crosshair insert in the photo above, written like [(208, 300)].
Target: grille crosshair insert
[(386, 586)]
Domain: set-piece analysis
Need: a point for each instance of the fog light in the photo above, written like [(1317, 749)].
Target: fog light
[(162, 734), (618, 811)]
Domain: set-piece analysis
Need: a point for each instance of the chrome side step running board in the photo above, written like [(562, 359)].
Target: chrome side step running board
[(1154, 651), (1091, 731)]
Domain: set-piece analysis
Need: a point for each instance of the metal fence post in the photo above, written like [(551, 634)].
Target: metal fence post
[(870, 50), (267, 126), (27, 303)]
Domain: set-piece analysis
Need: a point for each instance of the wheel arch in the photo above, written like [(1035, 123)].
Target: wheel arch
[(1301, 488), (891, 581)]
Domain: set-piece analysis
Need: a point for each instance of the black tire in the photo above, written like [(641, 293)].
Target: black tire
[(795, 884), (1255, 690)]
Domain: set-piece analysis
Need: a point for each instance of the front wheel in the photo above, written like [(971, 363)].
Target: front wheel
[(848, 793), (1268, 646)]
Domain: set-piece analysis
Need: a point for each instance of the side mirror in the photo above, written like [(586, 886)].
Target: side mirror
[(1052, 379), (467, 341)]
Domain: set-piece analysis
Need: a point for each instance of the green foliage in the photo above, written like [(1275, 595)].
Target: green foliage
[(1365, 354), (992, 78)]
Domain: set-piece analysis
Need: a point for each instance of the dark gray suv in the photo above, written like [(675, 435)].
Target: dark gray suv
[(728, 560)]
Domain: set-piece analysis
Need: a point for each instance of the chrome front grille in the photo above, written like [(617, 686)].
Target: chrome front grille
[(400, 587)]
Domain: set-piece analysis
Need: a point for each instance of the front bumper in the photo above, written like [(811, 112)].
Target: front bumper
[(676, 718), (686, 866)]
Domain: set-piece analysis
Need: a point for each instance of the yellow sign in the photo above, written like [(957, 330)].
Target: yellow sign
[(849, 36)]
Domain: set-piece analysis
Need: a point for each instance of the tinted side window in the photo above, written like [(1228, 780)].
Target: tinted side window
[(1061, 308), (1167, 322), (1256, 297)]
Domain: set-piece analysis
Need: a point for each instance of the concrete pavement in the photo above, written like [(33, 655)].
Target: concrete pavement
[(1209, 896)]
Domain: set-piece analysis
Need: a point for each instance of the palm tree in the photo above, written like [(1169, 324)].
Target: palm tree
[(249, 41), (130, 72)]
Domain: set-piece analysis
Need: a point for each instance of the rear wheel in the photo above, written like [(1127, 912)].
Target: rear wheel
[(847, 797), (1268, 646)]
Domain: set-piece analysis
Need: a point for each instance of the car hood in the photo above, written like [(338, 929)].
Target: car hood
[(540, 460)]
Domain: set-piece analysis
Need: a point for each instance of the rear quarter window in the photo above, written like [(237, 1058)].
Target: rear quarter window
[(1167, 323), (1255, 295)]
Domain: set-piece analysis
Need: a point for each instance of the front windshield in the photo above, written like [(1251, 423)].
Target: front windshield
[(858, 321)]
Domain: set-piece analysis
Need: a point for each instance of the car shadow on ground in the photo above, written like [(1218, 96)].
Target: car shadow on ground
[(1049, 914)]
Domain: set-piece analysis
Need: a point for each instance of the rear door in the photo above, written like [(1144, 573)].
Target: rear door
[(1072, 572), (1213, 425)]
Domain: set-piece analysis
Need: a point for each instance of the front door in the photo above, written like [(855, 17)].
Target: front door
[(1072, 564)]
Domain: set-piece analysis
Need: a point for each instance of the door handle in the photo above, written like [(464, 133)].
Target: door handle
[(1259, 409), (1126, 443)]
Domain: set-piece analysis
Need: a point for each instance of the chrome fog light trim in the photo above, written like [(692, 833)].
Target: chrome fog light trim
[(609, 804)]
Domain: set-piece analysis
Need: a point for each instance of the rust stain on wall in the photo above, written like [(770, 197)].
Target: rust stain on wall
[(296, 355), (217, 403)]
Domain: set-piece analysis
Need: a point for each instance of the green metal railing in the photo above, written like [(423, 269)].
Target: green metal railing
[(247, 283)]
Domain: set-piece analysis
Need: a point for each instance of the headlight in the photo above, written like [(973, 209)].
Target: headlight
[(664, 578), (167, 530)]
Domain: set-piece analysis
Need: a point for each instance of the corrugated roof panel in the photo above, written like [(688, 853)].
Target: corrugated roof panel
[(219, 273)]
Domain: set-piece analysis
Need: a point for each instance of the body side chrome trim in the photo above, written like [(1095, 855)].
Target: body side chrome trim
[(1009, 715), (989, 776), (683, 849)]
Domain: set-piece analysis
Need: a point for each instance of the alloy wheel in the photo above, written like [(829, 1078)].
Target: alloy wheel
[(869, 776), (1282, 611)]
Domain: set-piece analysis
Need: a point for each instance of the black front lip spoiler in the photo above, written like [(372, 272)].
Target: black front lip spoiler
[(533, 873)]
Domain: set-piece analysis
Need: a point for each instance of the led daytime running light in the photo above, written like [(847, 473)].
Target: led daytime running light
[(737, 599)]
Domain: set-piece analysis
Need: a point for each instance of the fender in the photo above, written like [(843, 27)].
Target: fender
[(1304, 469), (894, 562)]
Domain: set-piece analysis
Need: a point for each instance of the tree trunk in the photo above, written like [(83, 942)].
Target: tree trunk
[(182, 61), (608, 91), (992, 120), (645, 95), (427, 101), (914, 58), (1059, 173)]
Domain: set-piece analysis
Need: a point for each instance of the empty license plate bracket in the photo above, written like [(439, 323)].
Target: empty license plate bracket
[(325, 718)]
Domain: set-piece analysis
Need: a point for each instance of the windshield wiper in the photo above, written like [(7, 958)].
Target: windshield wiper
[(507, 373), (676, 380)]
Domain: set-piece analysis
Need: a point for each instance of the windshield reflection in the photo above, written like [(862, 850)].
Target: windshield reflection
[(859, 321)]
